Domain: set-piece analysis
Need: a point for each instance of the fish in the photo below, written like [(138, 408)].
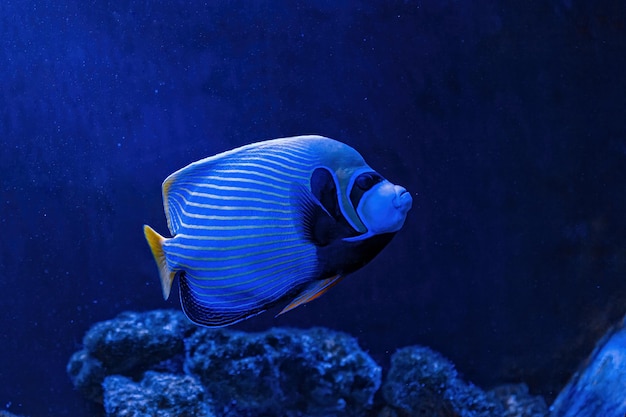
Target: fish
[(276, 221)]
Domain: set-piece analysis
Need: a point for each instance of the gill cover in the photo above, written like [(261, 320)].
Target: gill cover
[(345, 164)]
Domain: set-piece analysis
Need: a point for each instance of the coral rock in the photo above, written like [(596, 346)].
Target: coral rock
[(518, 402), (159, 395), (158, 364), (284, 372), (127, 345), (421, 382), (135, 340)]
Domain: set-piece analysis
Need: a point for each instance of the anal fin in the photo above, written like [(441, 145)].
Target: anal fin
[(314, 290)]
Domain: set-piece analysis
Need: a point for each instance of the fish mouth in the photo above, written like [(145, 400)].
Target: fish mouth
[(403, 200)]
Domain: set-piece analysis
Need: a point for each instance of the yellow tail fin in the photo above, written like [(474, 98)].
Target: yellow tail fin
[(155, 241)]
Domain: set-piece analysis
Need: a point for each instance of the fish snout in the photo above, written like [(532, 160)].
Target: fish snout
[(402, 200)]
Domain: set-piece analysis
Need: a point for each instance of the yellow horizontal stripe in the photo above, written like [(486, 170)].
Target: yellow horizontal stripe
[(290, 167), (227, 238), (234, 198), (288, 171), (207, 184), (185, 213), (290, 261), (233, 208), (285, 177), (269, 293), (172, 243), (188, 267), (240, 256), (242, 189), (288, 157), (296, 150), (239, 227)]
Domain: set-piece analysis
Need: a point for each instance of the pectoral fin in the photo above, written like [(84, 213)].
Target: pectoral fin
[(314, 290)]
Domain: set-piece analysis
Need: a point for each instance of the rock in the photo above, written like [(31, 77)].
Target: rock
[(599, 387), (137, 340), (518, 402), (157, 394), (283, 372), (157, 363), (421, 382), (127, 345), (87, 375)]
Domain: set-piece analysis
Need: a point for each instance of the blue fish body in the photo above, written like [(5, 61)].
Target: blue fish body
[(272, 221)]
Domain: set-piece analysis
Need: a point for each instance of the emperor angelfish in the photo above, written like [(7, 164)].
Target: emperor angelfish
[(270, 222)]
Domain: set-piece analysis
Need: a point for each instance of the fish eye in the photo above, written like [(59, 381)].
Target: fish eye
[(367, 180)]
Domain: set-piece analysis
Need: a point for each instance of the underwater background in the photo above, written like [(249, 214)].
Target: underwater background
[(505, 119)]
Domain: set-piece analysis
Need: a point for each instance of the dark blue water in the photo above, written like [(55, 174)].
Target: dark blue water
[(506, 120)]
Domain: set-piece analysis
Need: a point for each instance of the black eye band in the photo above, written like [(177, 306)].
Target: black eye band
[(367, 180), (362, 184)]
